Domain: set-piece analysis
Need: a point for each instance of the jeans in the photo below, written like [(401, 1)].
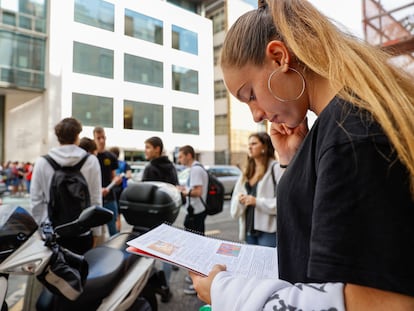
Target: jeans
[(262, 238), (112, 206)]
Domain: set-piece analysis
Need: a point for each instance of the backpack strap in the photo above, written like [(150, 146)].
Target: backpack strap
[(52, 162), (273, 173), (56, 166), (79, 165), (273, 177)]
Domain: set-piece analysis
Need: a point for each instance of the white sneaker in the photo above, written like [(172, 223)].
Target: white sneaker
[(190, 290)]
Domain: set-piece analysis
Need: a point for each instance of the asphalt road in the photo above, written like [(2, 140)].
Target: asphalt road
[(221, 226)]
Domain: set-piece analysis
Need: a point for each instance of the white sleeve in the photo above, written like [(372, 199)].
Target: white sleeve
[(38, 199), (230, 293), (236, 208), (94, 181)]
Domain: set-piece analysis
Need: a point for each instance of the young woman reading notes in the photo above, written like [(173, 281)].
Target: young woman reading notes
[(345, 203)]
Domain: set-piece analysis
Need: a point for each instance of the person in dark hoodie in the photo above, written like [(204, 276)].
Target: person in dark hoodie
[(160, 168)]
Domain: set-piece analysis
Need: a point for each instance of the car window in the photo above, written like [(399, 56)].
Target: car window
[(224, 171)]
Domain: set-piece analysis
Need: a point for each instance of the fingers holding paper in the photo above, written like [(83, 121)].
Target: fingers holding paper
[(203, 284)]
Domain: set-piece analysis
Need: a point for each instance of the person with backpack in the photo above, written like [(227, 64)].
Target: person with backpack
[(253, 201), (61, 205), (195, 191)]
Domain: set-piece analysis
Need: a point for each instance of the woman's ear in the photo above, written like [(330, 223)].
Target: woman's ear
[(277, 52)]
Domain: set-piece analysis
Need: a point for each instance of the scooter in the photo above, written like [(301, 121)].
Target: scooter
[(116, 280)]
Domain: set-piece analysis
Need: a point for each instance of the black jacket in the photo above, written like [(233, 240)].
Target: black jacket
[(160, 169)]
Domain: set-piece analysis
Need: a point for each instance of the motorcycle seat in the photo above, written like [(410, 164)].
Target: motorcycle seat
[(105, 270), (119, 242)]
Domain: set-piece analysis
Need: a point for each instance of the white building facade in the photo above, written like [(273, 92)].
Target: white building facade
[(137, 68)]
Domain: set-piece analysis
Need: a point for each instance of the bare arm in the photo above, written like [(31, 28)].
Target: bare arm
[(196, 191)]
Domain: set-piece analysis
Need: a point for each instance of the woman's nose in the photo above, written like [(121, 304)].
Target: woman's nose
[(258, 114)]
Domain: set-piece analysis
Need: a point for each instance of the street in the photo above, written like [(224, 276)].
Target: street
[(221, 226)]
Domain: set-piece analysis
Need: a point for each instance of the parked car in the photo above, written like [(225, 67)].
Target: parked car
[(137, 169), (227, 174)]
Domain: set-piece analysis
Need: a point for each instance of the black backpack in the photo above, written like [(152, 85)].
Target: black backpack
[(69, 193), (215, 194)]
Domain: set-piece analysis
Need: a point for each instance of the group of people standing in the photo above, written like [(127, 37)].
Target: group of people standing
[(107, 176), (16, 176)]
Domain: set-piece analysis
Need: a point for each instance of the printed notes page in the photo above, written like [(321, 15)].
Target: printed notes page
[(200, 253)]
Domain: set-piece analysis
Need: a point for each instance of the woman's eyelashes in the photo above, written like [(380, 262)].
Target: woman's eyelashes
[(252, 97)]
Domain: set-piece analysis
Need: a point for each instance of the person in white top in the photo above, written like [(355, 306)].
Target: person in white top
[(254, 197), (67, 154)]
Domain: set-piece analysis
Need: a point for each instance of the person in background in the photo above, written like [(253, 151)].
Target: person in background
[(124, 171), (345, 220), (160, 168), (67, 153), (109, 164), (28, 170), (88, 145), (196, 188), (254, 197)]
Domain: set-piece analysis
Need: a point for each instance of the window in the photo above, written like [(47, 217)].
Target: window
[(185, 4), (93, 60), (219, 21), (220, 90), (221, 124), (143, 116), (9, 18), (185, 80), (217, 51), (24, 14), (142, 70), (185, 121), (184, 40), (22, 60), (95, 13), (143, 27), (93, 110)]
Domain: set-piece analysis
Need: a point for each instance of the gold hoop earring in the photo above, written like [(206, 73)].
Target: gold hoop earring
[(282, 99)]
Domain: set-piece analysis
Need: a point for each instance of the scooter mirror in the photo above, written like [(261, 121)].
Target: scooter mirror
[(94, 216), (90, 217)]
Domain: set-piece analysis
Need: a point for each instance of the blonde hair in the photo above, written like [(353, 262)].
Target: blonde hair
[(363, 71)]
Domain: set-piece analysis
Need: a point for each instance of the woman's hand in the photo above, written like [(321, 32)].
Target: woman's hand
[(247, 200), (203, 284), (287, 140)]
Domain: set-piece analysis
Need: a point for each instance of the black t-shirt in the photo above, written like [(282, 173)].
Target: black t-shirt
[(108, 162), (160, 169), (345, 212)]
